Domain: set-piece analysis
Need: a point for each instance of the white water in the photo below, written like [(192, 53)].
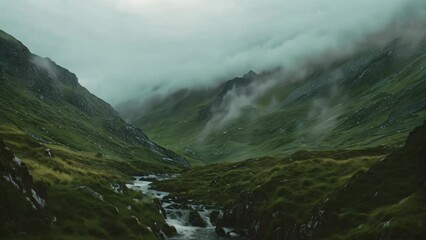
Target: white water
[(179, 217)]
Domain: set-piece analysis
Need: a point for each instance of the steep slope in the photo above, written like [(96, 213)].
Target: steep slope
[(363, 194), (379, 92), (74, 155), (46, 102)]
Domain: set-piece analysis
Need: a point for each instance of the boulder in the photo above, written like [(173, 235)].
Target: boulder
[(195, 219), (214, 216), (220, 231)]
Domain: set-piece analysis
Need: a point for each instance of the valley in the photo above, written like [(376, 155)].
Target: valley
[(333, 152)]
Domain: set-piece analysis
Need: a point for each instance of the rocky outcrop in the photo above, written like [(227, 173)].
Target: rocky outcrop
[(23, 205)]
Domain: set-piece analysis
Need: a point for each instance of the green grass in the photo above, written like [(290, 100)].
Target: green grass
[(377, 102), (299, 180), (92, 147)]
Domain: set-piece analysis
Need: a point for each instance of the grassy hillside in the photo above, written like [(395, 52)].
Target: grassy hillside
[(363, 194), (78, 153), (371, 98), (46, 102)]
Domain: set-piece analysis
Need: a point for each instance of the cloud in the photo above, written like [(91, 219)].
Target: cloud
[(238, 102), (46, 64), (122, 49)]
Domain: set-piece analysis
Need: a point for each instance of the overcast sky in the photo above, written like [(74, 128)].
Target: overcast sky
[(122, 49)]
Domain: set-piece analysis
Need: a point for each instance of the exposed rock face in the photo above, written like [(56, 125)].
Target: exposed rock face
[(23, 209)]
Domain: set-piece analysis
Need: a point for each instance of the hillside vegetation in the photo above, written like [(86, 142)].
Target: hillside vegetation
[(364, 194), (74, 155), (368, 99)]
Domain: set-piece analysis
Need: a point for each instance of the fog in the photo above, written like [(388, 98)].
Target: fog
[(130, 49)]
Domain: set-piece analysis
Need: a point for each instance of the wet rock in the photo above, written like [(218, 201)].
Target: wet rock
[(158, 205), (169, 230), (220, 231), (195, 219), (214, 216)]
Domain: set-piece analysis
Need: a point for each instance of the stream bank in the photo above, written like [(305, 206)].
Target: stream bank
[(191, 219)]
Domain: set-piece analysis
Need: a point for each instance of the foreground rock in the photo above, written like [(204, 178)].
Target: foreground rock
[(23, 205)]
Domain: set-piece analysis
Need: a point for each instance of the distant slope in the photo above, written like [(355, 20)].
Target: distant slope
[(371, 98), (46, 103)]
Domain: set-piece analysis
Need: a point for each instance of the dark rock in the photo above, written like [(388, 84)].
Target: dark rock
[(158, 205), (195, 219), (23, 208), (169, 230), (220, 231), (214, 216), (241, 213), (99, 155)]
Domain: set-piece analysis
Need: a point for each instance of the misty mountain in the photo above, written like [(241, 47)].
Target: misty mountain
[(65, 156), (375, 92), (43, 101)]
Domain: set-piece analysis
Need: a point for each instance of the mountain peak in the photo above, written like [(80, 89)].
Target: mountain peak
[(250, 74)]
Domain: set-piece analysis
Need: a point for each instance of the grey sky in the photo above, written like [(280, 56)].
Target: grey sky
[(122, 49)]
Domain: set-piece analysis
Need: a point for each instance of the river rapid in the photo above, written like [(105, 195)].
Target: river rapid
[(177, 213)]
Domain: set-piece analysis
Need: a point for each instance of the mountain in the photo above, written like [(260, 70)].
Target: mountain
[(46, 102), (370, 98), (66, 155)]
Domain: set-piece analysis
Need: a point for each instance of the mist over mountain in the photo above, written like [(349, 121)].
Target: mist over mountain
[(236, 120), (123, 50)]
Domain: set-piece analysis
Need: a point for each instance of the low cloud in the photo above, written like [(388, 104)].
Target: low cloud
[(122, 49), (45, 64)]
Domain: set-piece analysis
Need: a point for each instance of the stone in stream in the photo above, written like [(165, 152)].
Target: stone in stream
[(214, 215), (220, 231), (195, 219)]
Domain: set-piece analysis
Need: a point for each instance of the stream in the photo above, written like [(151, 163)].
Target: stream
[(178, 213)]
